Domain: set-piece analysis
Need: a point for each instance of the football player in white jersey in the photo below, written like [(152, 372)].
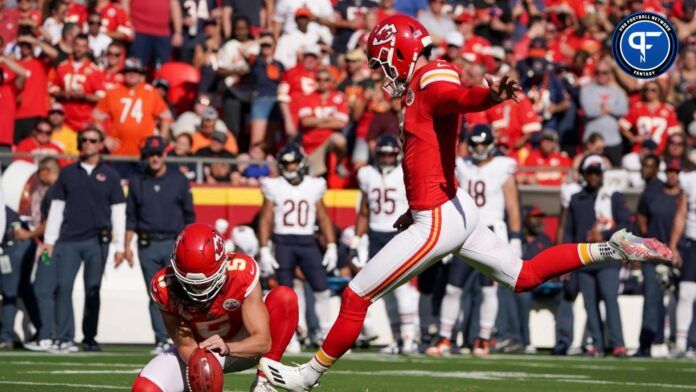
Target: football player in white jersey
[(383, 199), (490, 181), (292, 205)]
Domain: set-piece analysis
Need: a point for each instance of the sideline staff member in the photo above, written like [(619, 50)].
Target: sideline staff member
[(87, 210), (159, 207)]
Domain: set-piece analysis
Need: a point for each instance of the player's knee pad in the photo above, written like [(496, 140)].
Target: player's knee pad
[(353, 304), (144, 384)]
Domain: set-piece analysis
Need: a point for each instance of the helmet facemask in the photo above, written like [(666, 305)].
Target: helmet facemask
[(200, 288), (392, 85), (387, 151), (480, 156), (294, 177)]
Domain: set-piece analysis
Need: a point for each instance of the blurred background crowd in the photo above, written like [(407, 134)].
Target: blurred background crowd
[(233, 81)]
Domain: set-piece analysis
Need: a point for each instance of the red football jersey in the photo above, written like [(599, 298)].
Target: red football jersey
[(655, 124), (8, 99), (86, 77), (314, 105), (295, 84), (115, 19), (513, 120), (551, 177), (433, 106), (223, 316), (77, 13)]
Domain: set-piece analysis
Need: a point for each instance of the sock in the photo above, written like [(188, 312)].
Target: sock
[(449, 310), (322, 307), (685, 309), (342, 335), (488, 311), (283, 313), (407, 305), (560, 259), (425, 314)]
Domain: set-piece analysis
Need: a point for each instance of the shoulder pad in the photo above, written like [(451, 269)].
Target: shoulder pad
[(440, 71)]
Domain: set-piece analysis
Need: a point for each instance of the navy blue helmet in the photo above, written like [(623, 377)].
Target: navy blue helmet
[(481, 134), (388, 152), (292, 153)]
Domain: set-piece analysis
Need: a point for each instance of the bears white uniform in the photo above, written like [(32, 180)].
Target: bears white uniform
[(386, 196), (485, 185), (294, 207)]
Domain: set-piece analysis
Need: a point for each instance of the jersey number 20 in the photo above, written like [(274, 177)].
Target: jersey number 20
[(295, 213)]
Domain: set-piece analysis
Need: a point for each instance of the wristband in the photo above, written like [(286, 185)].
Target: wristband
[(515, 235)]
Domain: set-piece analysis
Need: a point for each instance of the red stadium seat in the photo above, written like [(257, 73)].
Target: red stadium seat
[(183, 81)]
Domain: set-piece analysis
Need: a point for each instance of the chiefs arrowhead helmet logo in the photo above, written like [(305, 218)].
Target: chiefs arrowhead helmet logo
[(384, 35)]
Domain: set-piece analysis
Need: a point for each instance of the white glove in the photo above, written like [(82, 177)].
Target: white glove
[(330, 257), (516, 245), (446, 260), (268, 263), (354, 254)]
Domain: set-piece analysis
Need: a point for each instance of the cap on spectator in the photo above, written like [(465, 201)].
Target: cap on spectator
[(675, 164), (549, 134), (209, 113), (537, 47), (219, 136), (454, 38), (593, 163), (303, 12), (209, 21), (56, 108), (313, 49), (133, 64), (356, 55), (464, 17), (160, 83), (497, 52), (153, 145), (649, 144), (534, 210)]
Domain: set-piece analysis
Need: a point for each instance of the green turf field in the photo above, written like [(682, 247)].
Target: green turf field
[(116, 368)]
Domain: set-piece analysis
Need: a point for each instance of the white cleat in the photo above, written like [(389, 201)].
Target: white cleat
[(261, 385), (392, 349), (291, 378), (634, 248)]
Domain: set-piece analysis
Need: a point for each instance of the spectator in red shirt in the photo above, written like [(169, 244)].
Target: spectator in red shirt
[(296, 84), (650, 118), (12, 78), (474, 49), (8, 24), (78, 85), (32, 103), (115, 57), (115, 21), (28, 14), (153, 22), (323, 115), (547, 156), (40, 143)]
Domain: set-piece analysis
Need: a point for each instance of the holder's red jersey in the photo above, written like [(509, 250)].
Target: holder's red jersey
[(223, 315), (432, 106)]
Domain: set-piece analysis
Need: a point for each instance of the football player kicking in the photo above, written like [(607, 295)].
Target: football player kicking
[(490, 181), (383, 199), (442, 219), (212, 300)]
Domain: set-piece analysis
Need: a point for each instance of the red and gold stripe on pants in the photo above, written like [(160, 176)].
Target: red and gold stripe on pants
[(405, 268)]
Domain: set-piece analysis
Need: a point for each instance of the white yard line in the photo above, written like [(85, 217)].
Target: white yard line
[(60, 384), (80, 364), (129, 371)]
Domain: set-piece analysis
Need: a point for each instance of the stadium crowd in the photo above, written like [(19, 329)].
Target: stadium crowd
[(241, 79)]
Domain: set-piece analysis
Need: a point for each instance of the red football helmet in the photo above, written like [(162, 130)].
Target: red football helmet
[(199, 261), (395, 45)]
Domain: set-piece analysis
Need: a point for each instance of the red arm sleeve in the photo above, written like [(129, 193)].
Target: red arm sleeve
[(448, 98)]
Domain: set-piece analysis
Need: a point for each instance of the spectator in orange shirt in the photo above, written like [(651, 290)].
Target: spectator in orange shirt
[(40, 143), (204, 134), (134, 109), (546, 157)]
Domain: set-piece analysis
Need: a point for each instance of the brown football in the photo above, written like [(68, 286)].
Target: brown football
[(203, 372)]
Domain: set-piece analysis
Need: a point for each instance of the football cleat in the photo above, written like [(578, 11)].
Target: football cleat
[(481, 348), (260, 384), (40, 345), (634, 248), (442, 349), (291, 378), (160, 347), (392, 349)]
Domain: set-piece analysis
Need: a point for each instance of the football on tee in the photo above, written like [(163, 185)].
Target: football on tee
[(203, 372)]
